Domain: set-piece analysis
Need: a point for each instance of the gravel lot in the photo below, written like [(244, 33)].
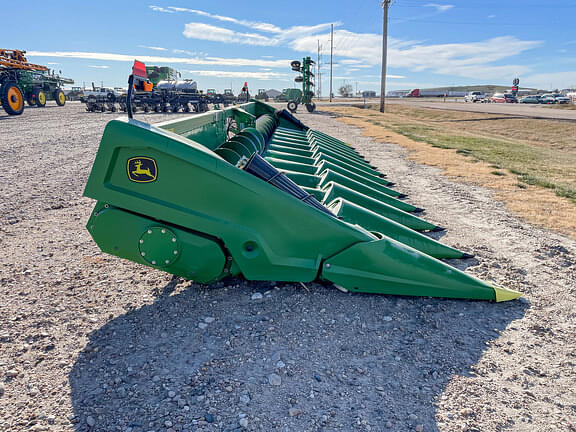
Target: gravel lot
[(89, 342)]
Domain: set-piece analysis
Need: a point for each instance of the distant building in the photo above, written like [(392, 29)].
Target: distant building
[(272, 93), (369, 94)]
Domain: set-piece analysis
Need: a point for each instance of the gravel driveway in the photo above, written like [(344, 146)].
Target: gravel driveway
[(89, 342)]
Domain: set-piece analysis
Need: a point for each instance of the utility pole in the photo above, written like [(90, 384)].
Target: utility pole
[(385, 5), (331, 56), (318, 73)]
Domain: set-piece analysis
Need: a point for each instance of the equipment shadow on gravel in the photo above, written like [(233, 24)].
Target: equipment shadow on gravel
[(341, 361)]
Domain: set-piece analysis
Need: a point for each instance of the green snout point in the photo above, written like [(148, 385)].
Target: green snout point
[(505, 294)]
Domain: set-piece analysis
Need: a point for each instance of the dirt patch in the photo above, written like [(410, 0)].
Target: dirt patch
[(539, 206)]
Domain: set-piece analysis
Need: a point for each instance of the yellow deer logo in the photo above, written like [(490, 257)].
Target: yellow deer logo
[(139, 170), (142, 169)]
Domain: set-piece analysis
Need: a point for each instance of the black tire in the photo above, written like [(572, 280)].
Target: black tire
[(113, 109), (59, 97), (40, 97), (175, 108), (12, 98), (311, 107), (157, 108), (292, 106), (146, 108), (31, 100)]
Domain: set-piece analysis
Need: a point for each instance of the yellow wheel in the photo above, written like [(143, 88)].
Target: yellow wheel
[(40, 98), (12, 98), (59, 97)]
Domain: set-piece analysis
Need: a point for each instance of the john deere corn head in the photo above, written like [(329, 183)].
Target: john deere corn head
[(251, 191)]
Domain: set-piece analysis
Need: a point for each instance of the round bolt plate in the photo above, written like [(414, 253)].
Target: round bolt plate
[(159, 246)]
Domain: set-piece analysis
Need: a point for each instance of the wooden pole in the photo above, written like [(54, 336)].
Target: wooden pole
[(331, 56), (385, 4)]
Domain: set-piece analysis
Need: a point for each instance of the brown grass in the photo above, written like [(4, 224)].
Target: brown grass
[(538, 205)]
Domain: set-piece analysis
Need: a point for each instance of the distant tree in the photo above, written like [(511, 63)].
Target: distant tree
[(345, 90)]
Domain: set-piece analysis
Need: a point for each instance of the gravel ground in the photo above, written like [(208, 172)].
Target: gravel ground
[(89, 342)]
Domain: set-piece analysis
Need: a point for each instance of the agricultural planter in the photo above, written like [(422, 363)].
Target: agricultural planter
[(305, 97), (250, 191)]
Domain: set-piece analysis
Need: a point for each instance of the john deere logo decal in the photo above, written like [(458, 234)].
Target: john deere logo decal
[(142, 169)]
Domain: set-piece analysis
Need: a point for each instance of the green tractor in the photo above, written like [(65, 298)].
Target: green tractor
[(161, 73), (22, 81), (306, 79), (289, 94), (262, 95)]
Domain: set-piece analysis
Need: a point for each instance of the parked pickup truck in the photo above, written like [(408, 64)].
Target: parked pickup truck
[(475, 96)]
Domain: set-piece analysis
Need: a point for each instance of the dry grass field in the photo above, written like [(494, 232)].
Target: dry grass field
[(530, 163)]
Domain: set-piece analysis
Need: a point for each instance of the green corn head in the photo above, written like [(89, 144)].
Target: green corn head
[(250, 191)]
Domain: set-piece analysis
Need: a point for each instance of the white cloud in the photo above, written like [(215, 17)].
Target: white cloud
[(160, 9), (240, 74), (439, 7), (266, 27), (204, 31), (99, 67), (181, 51), (154, 48), (351, 62), (52, 63), (550, 80), (361, 47), (466, 59), (281, 33), (206, 61), (352, 77), (209, 32)]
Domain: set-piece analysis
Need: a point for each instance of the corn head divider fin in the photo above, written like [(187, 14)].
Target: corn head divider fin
[(251, 191)]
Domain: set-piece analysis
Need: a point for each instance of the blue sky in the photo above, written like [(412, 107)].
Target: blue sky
[(224, 43)]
